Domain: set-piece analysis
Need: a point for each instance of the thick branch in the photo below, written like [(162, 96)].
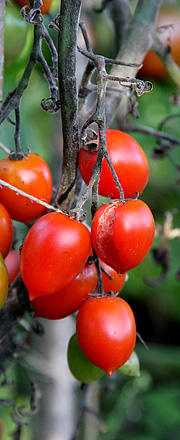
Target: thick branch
[(136, 42), (69, 22), (2, 17)]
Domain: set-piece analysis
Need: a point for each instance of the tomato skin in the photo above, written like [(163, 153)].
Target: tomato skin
[(106, 331), (31, 175), (114, 285), (6, 231), (153, 67), (68, 300), (53, 253), (12, 263), (1, 429), (129, 161), (3, 282), (122, 234), (44, 8)]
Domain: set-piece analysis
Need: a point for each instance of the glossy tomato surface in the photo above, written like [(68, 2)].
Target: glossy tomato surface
[(6, 231), (3, 282), (116, 283), (128, 160), (53, 253), (44, 8), (106, 331), (123, 233), (68, 300), (12, 264), (31, 175), (153, 67)]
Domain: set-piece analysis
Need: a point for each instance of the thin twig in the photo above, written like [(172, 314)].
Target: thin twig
[(30, 197), (4, 148)]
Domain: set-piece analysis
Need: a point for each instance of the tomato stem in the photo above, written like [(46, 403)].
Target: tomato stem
[(34, 199)]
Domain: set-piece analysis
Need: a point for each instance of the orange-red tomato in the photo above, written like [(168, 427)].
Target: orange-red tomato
[(3, 282), (106, 331), (54, 251), (122, 234), (31, 175), (153, 67), (6, 231), (12, 263), (114, 285), (44, 8), (68, 300), (129, 162)]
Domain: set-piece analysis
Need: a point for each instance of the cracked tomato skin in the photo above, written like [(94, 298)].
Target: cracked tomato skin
[(31, 175), (6, 231), (53, 253), (129, 161), (106, 331), (122, 234), (68, 300), (44, 8)]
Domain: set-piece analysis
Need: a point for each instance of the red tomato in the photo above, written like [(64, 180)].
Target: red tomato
[(6, 231), (44, 8), (1, 429), (114, 285), (31, 175), (53, 253), (68, 300), (106, 331), (3, 282), (12, 264), (153, 67), (122, 234), (128, 160)]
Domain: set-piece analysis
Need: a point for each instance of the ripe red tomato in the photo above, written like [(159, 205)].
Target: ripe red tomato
[(106, 331), (53, 253), (122, 234), (12, 264), (3, 282), (114, 285), (31, 175), (128, 160), (68, 300), (153, 67), (44, 8), (6, 231), (1, 429)]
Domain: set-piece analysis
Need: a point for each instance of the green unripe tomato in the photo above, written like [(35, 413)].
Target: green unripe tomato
[(131, 366)]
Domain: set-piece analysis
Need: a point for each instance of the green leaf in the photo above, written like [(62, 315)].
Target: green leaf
[(81, 368)]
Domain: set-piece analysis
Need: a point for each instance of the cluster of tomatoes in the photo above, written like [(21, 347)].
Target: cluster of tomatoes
[(56, 262), (31, 175)]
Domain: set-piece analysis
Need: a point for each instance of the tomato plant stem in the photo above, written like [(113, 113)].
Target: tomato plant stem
[(69, 22)]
